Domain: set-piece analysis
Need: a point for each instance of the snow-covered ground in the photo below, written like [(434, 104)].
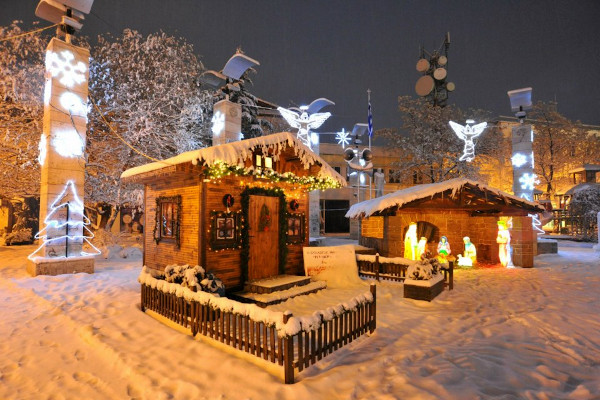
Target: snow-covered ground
[(518, 333)]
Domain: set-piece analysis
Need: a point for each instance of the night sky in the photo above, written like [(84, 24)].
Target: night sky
[(339, 49)]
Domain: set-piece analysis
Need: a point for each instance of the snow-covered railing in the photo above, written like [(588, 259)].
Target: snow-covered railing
[(394, 268), (278, 337)]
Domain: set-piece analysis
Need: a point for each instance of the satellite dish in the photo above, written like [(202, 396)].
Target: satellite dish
[(440, 74), (317, 104), (424, 85), (238, 64), (213, 79), (450, 86), (359, 129), (422, 65), (442, 60), (55, 11)]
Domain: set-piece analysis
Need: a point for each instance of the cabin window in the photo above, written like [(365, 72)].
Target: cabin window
[(225, 230), (295, 230), (265, 162), (168, 214)]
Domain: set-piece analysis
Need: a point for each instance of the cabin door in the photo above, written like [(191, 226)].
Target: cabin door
[(263, 231)]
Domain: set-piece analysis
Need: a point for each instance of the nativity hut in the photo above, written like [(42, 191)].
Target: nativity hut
[(456, 208), (238, 209)]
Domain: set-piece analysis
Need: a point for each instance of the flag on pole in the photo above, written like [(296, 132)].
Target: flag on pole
[(370, 119)]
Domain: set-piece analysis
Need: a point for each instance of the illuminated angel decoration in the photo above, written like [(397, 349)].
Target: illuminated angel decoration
[(303, 122), (467, 133)]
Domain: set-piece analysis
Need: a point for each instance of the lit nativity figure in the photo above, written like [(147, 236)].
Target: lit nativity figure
[(443, 250), (467, 133), (410, 242), (421, 247), (469, 257), (503, 240)]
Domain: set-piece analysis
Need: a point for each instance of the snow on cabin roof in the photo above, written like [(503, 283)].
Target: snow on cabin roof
[(236, 153), (401, 197)]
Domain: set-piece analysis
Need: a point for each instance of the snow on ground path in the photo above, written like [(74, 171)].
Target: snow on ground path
[(520, 333)]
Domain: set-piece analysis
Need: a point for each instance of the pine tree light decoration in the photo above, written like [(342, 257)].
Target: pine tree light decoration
[(66, 228)]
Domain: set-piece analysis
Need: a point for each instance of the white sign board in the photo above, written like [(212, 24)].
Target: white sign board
[(336, 265)]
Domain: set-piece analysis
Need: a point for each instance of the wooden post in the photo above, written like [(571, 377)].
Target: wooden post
[(288, 354), (373, 308), (143, 291), (194, 321), (451, 275), (377, 267)]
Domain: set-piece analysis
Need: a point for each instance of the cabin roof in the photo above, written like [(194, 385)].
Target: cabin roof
[(403, 197), (236, 153)]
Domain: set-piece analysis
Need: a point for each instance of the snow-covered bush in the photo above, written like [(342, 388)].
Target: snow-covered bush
[(195, 278), (424, 269), (19, 236)]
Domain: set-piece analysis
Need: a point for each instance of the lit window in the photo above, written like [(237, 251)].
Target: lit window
[(263, 161), (167, 218)]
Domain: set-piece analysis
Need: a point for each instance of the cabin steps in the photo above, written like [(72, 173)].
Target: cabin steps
[(265, 292)]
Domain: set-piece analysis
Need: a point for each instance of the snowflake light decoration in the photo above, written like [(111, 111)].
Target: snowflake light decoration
[(343, 138), (528, 181), (518, 160), (67, 143), (73, 104), (62, 64), (218, 123)]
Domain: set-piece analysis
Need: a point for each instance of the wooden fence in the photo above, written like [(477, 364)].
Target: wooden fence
[(257, 338), (396, 272)]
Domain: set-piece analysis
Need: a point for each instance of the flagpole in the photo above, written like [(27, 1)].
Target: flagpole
[(370, 123)]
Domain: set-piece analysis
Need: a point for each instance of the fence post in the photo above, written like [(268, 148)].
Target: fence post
[(373, 308), (451, 275), (288, 353), (143, 291), (377, 266), (194, 317)]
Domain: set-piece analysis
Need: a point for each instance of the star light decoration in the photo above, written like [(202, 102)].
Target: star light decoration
[(61, 64), (343, 138)]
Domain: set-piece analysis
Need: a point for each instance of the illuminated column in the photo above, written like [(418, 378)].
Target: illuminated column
[(62, 162), (226, 122), (314, 205), (524, 180)]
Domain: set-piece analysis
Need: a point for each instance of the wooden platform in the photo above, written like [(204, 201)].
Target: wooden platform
[(276, 283), (265, 292)]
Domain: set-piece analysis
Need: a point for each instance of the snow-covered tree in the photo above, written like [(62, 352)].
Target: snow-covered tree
[(557, 145), (429, 149), (147, 89), (21, 110), (252, 124)]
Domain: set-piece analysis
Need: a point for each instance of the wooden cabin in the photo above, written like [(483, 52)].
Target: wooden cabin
[(239, 209), (455, 208)]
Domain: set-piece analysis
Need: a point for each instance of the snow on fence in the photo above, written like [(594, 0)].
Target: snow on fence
[(394, 269), (290, 342)]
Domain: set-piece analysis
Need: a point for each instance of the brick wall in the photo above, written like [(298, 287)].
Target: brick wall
[(455, 225)]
